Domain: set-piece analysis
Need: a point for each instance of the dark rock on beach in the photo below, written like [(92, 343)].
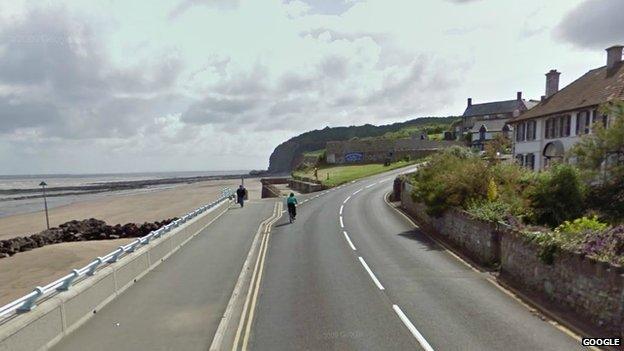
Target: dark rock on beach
[(84, 230)]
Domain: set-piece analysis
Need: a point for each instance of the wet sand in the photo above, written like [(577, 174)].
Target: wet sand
[(22, 272)]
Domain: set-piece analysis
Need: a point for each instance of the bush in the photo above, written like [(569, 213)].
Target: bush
[(450, 179), (491, 211), (557, 195), (608, 199), (580, 225)]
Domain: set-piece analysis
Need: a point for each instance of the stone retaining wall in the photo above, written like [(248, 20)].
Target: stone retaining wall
[(593, 290), (476, 239), (304, 187), (590, 291)]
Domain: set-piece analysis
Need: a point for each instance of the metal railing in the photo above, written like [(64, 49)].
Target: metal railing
[(28, 302)]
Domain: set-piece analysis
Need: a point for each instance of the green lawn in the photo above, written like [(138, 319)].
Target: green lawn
[(344, 174)]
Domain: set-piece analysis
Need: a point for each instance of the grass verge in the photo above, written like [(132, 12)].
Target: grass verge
[(336, 175)]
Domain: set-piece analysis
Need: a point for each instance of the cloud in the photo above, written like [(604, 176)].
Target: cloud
[(594, 24), (61, 84), (186, 5)]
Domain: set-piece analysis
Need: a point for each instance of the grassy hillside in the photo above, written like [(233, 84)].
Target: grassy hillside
[(286, 156)]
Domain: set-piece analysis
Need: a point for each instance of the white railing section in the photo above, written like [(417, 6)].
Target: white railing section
[(28, 302)]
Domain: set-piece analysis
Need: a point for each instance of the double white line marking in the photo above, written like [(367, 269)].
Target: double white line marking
[(254, 286)]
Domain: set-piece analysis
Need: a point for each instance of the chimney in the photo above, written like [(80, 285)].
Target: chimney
[(614, 55), (552, 82), (519, 96), (469, 102)]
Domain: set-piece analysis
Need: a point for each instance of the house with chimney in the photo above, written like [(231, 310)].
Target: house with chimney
[(545, 133), (483, 122)]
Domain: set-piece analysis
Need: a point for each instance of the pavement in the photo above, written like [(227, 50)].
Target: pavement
[(178, 305), (352, 273)]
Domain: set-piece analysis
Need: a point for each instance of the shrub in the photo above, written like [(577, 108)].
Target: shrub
[(607, 198), (491, 211), (606, 245), (557, 195), (450, 179), (580, 225), (492, 191)]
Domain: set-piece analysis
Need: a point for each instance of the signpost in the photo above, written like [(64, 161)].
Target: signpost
[(45, 203)]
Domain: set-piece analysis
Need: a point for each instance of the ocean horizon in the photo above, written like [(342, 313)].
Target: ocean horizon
[(31, 181)]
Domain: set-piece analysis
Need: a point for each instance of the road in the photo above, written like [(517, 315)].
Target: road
[(352, 273), (372, 281)]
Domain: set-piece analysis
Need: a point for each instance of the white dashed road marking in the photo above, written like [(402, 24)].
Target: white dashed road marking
[(421, 340), (372, 275), (349, 240)]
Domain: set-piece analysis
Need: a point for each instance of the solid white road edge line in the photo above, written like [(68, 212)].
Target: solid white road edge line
[(349, 240), (372, 275), (341, 222), (421, 340)]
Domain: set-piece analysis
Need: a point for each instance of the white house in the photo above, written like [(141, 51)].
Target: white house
[(486, 120), (546, 132)]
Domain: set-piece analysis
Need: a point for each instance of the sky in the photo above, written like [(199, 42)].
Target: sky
[(195, 85)]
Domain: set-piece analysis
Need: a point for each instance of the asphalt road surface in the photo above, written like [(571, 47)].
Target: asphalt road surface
[(351, 273)]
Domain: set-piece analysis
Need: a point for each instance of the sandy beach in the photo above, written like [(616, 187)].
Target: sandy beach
[(22, 272)]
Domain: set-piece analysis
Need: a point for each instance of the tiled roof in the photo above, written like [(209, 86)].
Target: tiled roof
[(492, 125), (492, 108), (593, 88)]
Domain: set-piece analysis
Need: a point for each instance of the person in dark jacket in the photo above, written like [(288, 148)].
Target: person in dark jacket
[(241, 193)]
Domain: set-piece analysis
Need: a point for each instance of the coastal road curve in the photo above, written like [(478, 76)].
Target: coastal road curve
[(352, 273)]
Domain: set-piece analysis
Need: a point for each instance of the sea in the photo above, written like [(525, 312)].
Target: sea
[(15, 186)]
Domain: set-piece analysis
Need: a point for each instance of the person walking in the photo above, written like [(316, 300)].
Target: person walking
[(241, 194)]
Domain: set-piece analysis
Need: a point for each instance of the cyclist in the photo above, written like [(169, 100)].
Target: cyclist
[(291, 202)]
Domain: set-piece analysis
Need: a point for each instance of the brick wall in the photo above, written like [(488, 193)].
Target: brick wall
[(593, 290)]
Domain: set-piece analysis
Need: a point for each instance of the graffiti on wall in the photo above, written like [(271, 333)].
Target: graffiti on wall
[(354, 157)]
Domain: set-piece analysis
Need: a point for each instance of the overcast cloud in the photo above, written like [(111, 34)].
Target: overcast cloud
[(594, 24), (123, 86)]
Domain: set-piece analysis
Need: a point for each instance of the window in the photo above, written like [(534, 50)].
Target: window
[(565, 125), (547, 124), (533, 125), (520, 132), (557, 127), (520, 159), (583, 122), (530, 161), (482, 132), (530, 130), (597, 117)]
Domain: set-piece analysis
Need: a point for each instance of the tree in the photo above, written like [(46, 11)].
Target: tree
[(500, 144), (602, 151), (600, 156)]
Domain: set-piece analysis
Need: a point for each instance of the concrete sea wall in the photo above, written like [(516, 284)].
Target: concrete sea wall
[(62, 313)]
